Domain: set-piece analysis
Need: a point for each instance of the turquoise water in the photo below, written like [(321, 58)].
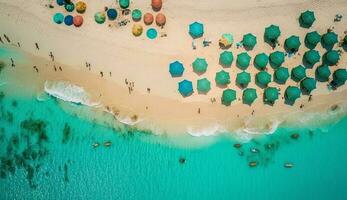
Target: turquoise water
[(39, 160), (46, 152)]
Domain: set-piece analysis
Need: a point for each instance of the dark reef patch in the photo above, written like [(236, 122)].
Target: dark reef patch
[(66, 133)]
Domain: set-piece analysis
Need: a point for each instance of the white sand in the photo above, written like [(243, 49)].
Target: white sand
[(116, 50)]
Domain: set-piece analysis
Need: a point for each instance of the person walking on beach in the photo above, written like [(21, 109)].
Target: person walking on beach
[(7, 38), (37, 46), (51, 55), (12, 63), (1, 40), (37, 70)]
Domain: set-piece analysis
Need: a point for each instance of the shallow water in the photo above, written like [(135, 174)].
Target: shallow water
[(46, 153)]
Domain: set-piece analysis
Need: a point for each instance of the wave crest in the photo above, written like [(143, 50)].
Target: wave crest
[(69, 92)]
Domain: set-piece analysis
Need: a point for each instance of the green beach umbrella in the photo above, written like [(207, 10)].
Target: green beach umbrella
[(281, 75), (185, 87), (226, 58), (311, 57), (249, 41), (345, 39), (312, 39), (243, 78), (272, 33), (203, 85), (270, 95), (100, 17), (329, 40), (276, 59), (124, 4), (323, 73), (228, 96), (263, 78), (339, 77), (69, 7), (136, 15), (200, 65), (331, 57), (298, 73), (308, 84), (226, 40), (176, 69), (306, 19), (260, 61), (292, 44), (196, 29), (243, 60), (249, 95), (292, 93), (58, 18), (222, 78)]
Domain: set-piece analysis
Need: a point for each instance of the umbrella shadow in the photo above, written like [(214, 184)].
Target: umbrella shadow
[(241, 86), (289, 102), (270, 103), (260, 85), (295, 78), (222, 86), (272, 43), (344, 47), (326, 46)]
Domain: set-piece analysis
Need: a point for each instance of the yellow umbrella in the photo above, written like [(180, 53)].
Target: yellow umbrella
[(137, 30)]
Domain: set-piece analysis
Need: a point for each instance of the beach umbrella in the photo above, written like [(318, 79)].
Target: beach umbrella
[(329, 39), (203, 85), (249, 41), (196, 29), (148, 18), (78, 20), (112, 14), (81, 7), (263, 78), (306, 19), (243, 78), (308, 84), (226, 40), (69, 7), (228, 96), (100, 17), (331, 57), (243, 60), (136, 14), (160, 19), (222, 78), (292, 93), (311, 57), (200, 65), (137, 30), (68, 20), (58, 18), (312, 39), (176, 69), (260, 61), (249, 95), (226, 58), (156, 5), (298, 73), (339, 77), (151, 33), (272, 33), (276, 59), (60, 2), (292, 43), (281, 75), (345, 39), (270, 95), (323, 73), (124, 4), (185, 87)]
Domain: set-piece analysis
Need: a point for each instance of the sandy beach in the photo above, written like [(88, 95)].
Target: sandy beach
[(120, 56)]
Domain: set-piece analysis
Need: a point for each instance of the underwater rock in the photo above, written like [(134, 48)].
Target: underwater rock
[(66, 177), (334, 107), (237, 145), (182, 160), (2, 65), (295, 136), (253, 164), (66, 133)]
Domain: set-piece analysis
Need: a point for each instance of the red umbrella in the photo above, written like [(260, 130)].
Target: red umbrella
[(157, 4), (78, 20), (160, 19), (148, 18)]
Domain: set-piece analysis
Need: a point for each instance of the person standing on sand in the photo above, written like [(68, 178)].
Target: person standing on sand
[(37, 46), (12, 63), (7, 38)]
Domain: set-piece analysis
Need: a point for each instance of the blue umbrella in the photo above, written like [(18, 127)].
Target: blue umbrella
[(60, 2), (151, 33), (196, 29), (68, 20), (185, 87), (112, 14), (176, 69)]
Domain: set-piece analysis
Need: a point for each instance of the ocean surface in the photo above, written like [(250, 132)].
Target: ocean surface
[(51, 149)]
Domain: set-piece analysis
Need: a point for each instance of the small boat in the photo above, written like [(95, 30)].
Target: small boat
[(237, 146), (107, 143), (254, 150), (95, 145), (295, 136), (288, 165), (253, 163)]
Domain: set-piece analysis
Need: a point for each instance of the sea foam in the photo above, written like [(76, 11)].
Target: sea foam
[(212, 130), (69, 92)]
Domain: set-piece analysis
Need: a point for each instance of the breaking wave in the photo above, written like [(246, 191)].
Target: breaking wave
[(69, 92)]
